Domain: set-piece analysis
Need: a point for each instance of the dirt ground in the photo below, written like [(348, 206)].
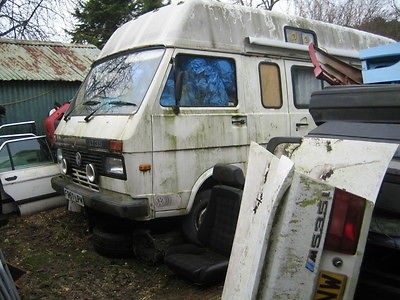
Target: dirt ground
[(55, 249)]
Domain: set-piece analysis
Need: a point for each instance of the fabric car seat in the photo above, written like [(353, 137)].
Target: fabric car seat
[(207, 264)]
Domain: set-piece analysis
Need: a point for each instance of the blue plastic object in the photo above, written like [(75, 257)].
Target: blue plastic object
[(381, 64)]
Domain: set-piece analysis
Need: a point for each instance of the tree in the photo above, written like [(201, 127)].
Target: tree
[(382, 26), (98, 19), (376, 16), (264, 4), (351, 13), (33, 19)]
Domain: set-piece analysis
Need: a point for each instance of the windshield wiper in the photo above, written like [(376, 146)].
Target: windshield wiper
[(91, 102), (117, 103), (87, 103)]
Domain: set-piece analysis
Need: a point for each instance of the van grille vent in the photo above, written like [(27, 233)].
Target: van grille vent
[(79, 177)]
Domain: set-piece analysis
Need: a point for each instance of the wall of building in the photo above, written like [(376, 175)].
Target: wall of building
[(32, 100)]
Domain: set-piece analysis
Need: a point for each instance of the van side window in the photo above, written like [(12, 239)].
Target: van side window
[(304, 83), (270, 81), (206, 81)]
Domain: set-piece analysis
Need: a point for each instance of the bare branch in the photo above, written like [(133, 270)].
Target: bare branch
[(264, 4), (350, 13), (35, 19)]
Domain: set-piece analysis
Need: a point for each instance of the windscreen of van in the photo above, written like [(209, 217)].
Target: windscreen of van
[(117, 85)]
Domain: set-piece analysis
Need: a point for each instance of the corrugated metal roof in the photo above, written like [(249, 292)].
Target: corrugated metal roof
[(36, 60)]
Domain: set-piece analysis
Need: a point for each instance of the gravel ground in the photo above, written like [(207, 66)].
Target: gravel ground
[(54, 249)]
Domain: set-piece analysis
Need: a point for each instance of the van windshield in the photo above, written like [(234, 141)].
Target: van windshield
[(118, 85)]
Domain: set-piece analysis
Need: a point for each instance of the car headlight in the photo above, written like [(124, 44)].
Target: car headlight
[(114, 166)]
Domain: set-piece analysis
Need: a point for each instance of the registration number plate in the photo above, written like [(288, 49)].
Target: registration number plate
[(72, 196), (330, 286)]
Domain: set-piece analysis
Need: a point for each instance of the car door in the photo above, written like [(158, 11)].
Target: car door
[(26, 167)]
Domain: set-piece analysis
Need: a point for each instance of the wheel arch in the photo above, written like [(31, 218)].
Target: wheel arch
[(205, 181)]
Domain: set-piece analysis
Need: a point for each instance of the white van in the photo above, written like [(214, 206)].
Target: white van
[(184, 87)]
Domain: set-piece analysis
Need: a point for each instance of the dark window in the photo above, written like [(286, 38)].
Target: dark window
[(304, 83), (206, 81), (270, 81)]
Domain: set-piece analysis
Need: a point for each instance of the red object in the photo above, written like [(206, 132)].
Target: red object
[(51, 122), (345, 222), (331, 69)]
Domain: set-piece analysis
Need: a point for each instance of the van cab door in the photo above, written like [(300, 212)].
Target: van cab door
[(301, 83), (203, 125)]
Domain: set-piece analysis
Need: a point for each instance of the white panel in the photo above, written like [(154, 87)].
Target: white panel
[(355, 166), (267, 179)]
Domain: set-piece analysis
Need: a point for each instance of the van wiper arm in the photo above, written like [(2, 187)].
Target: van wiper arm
[(117, 103), (89, 102)]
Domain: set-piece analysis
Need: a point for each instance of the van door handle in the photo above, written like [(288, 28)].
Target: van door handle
[(12, 178), (298, 125), (239, 120)]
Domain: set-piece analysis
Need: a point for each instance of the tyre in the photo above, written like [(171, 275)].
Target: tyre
[(192, 221), (112, 244)]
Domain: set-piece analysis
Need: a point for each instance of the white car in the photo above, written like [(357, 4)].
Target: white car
[(26, 167)]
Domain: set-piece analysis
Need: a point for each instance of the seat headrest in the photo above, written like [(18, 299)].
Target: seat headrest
[(229, 175)]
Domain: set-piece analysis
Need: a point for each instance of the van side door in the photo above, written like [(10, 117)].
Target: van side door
[(301, 82), (267, 109)]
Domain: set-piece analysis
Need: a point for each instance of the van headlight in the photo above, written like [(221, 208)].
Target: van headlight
[(91, 173), (64, 166), (114, 166), (59, 155), (62, 162)]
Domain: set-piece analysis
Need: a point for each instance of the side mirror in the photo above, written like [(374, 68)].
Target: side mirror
[(178, 90), (178, 84)]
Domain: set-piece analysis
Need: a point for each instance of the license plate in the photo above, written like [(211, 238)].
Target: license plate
[(330, 286), (72, 196)]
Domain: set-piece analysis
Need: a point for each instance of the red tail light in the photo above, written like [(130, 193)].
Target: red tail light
[(345, 222)]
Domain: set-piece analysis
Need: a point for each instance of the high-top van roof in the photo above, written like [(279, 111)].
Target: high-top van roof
[(211, 25)]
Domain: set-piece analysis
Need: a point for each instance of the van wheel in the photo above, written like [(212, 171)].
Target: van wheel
[(192, 221), (112, 244)]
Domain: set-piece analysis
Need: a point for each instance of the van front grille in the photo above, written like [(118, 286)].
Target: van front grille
[(91, 157), (79, 177)]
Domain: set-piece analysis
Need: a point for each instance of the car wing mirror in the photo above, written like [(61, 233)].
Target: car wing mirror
[(178, 85)]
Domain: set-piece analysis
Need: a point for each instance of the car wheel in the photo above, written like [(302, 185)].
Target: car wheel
[(112, 244), (193, 220)]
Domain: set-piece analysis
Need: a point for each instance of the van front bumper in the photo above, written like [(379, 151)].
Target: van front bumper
[(119, 205)]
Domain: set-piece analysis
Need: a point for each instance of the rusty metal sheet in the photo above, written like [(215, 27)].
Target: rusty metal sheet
[(36, 60)]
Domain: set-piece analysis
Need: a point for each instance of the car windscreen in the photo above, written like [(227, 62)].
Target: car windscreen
[(117, 85)]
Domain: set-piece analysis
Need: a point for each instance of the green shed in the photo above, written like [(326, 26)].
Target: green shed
[(35, 74)]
